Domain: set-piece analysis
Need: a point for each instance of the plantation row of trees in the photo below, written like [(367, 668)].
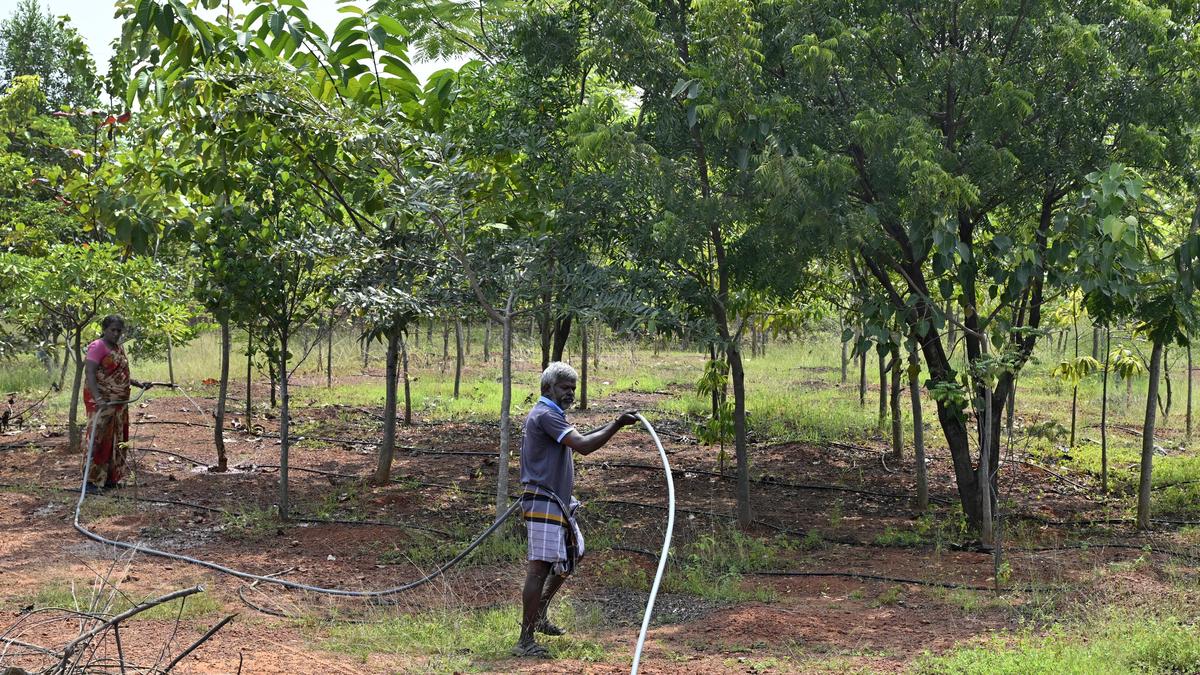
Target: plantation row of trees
[(933, 177)]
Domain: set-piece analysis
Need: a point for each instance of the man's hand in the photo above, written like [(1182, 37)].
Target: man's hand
[(627, 418)]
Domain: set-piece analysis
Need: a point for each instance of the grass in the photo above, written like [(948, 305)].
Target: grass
[(711, 567), (456, 640), (59, 593), (1115, 643)]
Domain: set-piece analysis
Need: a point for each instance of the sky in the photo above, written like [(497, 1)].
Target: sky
[(94, 21)]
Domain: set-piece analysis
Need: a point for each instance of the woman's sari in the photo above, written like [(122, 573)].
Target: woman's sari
[(108, 424)]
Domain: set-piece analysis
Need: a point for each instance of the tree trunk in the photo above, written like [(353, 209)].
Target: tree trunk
[(583, 363), (1166, 368), (596, 346), (383, 469), (505, 408), (249, 377), (1075, 388), (75, 433), (845, 352), (271, 374), (1143, 510), (883, 392), (1011, 405), (753, 340), (545, 332), (458, 355), (407, 390), (984, 481), (284, 424), (562, 331), (1188, 424), (914, 393), (1104, 413), (862, 377), (170, 359), (445, 345), (744, 514), (329, 353), (219, 422), (1096, 342), (487, 341), (897, 429)]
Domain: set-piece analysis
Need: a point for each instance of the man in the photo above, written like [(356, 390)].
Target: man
[(548, 476)]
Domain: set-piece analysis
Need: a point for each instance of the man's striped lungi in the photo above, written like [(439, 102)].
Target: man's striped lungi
[(554, 536)]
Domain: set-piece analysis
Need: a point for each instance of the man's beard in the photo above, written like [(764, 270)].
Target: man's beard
[(566, 402)]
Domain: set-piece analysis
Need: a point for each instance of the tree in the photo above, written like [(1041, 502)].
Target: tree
[(36, 43), (959, 135), (76, 286)]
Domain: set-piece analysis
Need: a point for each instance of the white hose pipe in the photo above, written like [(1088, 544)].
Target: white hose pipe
[(666, 549)]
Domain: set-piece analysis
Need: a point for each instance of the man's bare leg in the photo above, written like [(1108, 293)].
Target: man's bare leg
[(531, 605), (543, 625)]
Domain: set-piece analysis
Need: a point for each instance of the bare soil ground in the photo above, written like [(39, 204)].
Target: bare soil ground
[(824, 621)]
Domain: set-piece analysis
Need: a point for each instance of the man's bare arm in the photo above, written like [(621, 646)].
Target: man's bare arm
[(586, 444)]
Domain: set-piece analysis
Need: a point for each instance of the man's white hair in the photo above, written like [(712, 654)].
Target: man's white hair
[(555, 372)]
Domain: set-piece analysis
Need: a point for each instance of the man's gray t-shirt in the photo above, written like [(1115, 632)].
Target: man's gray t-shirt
[(545, 461)]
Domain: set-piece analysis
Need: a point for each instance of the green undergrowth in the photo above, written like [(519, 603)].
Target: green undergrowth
[(712, 566), (938, 529), (456, 640), (59, 593), (1115, 643), (505, 546)]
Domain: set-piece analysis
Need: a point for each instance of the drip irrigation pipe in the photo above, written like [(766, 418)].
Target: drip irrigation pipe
[(897, 580)]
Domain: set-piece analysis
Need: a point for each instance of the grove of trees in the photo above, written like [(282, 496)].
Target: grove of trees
[(937, 178)]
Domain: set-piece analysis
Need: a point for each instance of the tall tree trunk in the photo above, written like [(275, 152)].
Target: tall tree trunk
[(487, 341), (1166, 367), (505, 408), (1104, 413), (329, 352), (596, 335), (883, 391), (984, 481), (407, 390), (74, 432), (1189, 392), (1075, 388), (366, 354), (716, 395), (445, 345), (1096, 342), (862, 378), (914, 393), (845, 350), (383, 469), (272, 375), (897, 429), (170, 359), (562, 331), (1143, 510), (223, 391), (744, 514), (284, 424), (583, 362), (753, 340), (249, 378), (458, 355)]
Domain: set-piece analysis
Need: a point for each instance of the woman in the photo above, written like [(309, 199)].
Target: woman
[(108, 381)]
